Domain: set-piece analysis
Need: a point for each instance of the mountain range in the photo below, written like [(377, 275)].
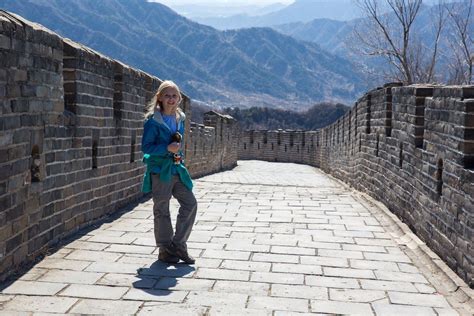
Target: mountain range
[(248, 67)]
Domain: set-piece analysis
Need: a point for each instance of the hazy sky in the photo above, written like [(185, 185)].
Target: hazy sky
[(226, 2)]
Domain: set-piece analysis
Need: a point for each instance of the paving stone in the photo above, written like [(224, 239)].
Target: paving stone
[(116, 279), (246, 265), (209, 263), (220, 299), (374, 242), (86, 245), (155, 295), (364, 248), (130, 249), (103, 307), (65, 264), (168, 283), (356, 295), (254, 288), (349, 273), (373, 265), (319, 306), (34, 288), (163, 308), (270, 277), (400, 276), (384, 308), (138, 259), (89, 255), (278, 303), (40, 304), (78, 277), (431, 300), (387, 257), (340, 254), (293, 250), (94, 291), (215, 311), (331, 282), (320, 245), (33, 275), (424, 288), (223, 274), (223, 254), (274, 258), (388, 285), (297, 268), (114, 267), (299, 291), (325, 261)]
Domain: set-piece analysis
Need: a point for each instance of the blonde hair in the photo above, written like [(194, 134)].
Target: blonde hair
[(151, 106)]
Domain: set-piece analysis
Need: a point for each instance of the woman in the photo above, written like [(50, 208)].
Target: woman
[(166, 174)]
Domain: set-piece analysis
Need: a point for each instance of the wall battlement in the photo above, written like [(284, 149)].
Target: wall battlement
[(410, 147), (70, 133)]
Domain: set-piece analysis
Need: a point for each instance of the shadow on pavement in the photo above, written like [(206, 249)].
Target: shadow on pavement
[(167, 275)]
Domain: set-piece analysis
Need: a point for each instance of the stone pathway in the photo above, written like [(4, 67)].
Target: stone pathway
[(270, 239)]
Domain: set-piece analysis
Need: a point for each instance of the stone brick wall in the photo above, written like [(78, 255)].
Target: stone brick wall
[(70, 138), (411, 148), (212, 147)]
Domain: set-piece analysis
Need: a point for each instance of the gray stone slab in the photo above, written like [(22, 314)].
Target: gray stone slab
[(246, 265), (253, 288), (273, 277), (431, 300), (34, 288), (278, 303), (103, 307), (129, 280), (155, 295), (40, 304), (217, 299), (319, 306), (153, 309), (332, 282), (186, 284), (94, 291), (78, 277), (384, 308), (299, 291), (223, 274), (356, 295)]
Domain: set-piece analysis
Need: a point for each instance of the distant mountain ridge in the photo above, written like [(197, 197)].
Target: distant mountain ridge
[(236, 68), (300, 11)]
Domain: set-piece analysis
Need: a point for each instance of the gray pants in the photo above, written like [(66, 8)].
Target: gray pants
[(162, 192)]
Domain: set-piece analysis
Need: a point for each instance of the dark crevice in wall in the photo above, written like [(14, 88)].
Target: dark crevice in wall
[(439, 177), (35, 164)]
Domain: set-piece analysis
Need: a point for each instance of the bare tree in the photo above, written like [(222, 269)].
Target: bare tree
[(388, 32), (461, 42)]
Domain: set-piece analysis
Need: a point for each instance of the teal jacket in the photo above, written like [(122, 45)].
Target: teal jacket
[(155, 141), (165, 163)]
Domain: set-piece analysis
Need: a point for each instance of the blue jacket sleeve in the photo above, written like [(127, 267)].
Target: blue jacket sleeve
[(150, 140)]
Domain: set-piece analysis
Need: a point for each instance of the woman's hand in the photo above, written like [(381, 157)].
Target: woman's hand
[(174, 147)]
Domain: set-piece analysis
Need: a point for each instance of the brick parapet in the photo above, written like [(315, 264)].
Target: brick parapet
[(70, 134), (410, 147)]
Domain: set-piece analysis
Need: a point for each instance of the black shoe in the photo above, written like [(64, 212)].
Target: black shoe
[(165, 256), (182, 254)]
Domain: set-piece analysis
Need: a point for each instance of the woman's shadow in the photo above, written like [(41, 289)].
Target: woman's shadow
[(160, 278)]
